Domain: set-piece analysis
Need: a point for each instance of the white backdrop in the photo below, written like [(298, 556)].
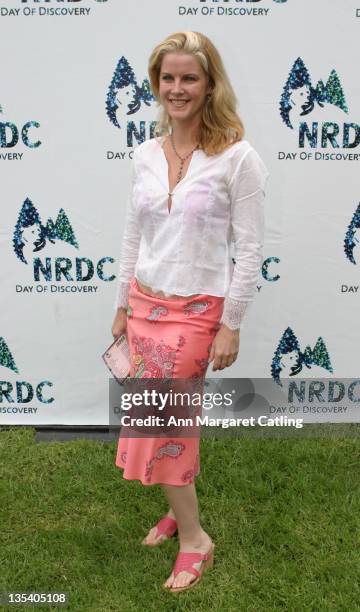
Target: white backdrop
[(59, 59)]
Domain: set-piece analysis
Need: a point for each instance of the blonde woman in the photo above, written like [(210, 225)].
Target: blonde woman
[(196, 186)]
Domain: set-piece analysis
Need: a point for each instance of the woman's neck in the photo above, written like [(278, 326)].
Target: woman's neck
[(185, 136)]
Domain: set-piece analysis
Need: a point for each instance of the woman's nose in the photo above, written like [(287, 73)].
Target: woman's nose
[(177, 86)]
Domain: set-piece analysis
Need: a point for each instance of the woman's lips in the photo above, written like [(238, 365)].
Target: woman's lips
[(178, 103)]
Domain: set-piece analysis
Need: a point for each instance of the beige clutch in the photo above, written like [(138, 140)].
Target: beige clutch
[(117, 359)]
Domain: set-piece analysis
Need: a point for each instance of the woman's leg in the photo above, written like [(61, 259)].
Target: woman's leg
[(193, 538)]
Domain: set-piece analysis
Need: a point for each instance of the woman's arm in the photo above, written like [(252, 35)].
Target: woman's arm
[(247, 192), (128, 258), (130, 246)]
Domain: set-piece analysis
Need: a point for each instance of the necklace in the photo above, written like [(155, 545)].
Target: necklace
[(182, 160)]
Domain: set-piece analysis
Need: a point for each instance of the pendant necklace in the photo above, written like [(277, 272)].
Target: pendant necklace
[(182, 161)]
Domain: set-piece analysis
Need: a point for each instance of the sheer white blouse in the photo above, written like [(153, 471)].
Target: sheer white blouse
[(217, 205)]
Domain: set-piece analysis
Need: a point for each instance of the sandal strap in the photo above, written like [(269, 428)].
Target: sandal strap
[(184, 562), (166, 526)]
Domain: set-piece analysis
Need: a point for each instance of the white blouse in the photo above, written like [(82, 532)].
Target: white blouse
[(187, 250)]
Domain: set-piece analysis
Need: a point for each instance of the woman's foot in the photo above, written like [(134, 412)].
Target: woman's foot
[(203, 545), (166, 531)]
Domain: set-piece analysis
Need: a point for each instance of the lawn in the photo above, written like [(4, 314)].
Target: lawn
[(283, 513)]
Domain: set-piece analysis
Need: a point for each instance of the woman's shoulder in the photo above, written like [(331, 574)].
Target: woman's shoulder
[(243, 157), (239, 151), (146, 148), (244, 154)]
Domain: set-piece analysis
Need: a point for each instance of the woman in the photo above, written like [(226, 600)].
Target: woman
[(196, 186)]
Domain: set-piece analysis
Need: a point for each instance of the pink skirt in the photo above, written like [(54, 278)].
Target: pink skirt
[(168, 338)]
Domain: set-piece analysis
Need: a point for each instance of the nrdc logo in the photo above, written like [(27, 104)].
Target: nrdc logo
[(31, 8), (245, 1), (128, 97), (318, 112), (55, 2), (31, 236), (267, 272), (20, 392), (352, 237), (233, 8), (11, 134), (289, 359)]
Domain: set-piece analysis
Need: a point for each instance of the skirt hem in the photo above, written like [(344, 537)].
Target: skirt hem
[(148, 484)]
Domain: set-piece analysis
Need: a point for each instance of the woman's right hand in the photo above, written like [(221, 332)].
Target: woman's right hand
[(120, 323)]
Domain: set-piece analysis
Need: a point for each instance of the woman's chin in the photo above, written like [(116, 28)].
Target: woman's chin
[(181, 116), (177, 112)]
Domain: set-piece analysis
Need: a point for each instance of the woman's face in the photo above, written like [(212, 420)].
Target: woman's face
[(183, 86)]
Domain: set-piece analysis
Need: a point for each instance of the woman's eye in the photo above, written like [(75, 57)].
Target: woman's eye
[(167, 77)]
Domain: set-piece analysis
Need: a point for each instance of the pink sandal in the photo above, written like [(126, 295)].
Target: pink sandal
[(166, 527), (184, 563)]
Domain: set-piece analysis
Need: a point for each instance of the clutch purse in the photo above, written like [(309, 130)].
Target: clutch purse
[(117, 359)]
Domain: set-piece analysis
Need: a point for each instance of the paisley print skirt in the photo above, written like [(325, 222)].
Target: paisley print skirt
[(168, 338)]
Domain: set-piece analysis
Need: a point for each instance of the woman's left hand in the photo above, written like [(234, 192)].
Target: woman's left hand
[(225, 348)]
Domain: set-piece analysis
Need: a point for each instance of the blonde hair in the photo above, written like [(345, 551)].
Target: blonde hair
[(220, 122)]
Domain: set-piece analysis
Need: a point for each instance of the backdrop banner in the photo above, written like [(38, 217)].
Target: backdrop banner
[(76, 102)]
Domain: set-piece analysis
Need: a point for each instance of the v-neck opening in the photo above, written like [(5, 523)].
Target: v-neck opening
[(167, 183)]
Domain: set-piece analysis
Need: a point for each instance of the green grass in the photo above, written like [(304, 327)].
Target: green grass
[(284, 515)]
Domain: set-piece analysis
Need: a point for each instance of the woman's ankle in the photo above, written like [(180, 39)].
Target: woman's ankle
[(171, 514), (198, 539)]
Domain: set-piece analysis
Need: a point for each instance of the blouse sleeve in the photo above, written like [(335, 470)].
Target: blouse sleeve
[(130, 246), (247, 191)]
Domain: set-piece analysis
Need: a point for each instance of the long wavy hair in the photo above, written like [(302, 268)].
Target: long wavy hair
[(220, 125)]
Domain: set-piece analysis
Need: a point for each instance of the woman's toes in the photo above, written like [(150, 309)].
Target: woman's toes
[(169, 582), (177, 583), (150, 538), (183, 579)]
